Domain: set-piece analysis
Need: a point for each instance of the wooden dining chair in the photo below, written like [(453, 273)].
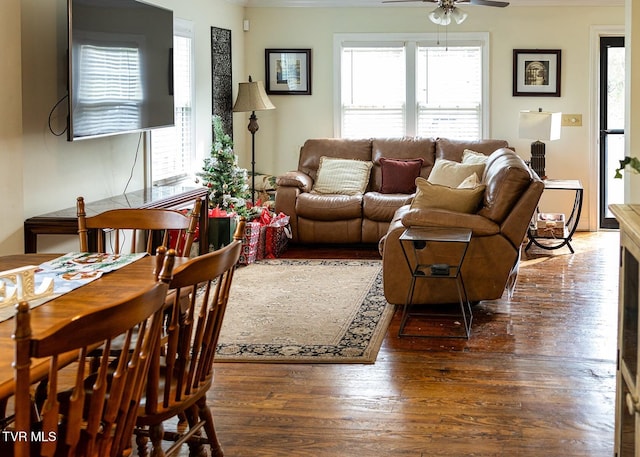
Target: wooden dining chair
[(94, 416), (147, 228), (180, 379)]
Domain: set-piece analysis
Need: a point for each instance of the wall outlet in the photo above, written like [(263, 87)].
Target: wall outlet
[(572, 120)]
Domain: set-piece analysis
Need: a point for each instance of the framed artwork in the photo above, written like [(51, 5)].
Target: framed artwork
[(536, 72), (288, 71)]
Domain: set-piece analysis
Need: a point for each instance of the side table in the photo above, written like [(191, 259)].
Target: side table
[(550, 242), (420, 246)]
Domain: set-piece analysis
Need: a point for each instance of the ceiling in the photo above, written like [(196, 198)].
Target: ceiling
[(368, 3)]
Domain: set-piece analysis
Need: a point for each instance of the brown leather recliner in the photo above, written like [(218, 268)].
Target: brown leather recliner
[(498, 229)]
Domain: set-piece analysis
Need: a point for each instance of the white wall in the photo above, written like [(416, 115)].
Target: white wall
[(297, 118), (10, 130)]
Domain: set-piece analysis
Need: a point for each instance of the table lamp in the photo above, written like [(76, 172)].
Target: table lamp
[(539, 125), (252, 97)]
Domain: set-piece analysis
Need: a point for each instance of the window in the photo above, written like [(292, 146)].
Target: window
[(391, 85), (172, 148)]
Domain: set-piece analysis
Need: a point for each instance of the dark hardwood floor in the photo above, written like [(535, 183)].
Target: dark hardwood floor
[(536, 378)]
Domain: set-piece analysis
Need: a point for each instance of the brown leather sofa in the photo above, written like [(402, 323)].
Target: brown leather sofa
[(363, 218), (498, 229)]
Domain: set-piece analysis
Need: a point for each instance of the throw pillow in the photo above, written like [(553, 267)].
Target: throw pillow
[(451, 174), (399, 176), (342, 176), (470, 182), (434, 196), (469, 156)]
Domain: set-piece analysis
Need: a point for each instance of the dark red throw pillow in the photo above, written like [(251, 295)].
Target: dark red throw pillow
[(399, 176)]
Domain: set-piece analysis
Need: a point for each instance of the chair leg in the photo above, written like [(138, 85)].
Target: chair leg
[(196, 449), (141, 443), (205, 414), (156, 433), (182, 418)]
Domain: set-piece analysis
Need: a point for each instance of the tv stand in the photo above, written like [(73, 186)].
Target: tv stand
[(65, 221)]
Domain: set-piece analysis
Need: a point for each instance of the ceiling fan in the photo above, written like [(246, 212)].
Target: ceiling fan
[(448, 10)]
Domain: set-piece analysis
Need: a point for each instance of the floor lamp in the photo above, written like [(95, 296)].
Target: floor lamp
[(252, 97), (539, 125)]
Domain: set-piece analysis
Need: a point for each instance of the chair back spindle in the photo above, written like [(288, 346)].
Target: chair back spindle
[(182, 370), (141, 229)]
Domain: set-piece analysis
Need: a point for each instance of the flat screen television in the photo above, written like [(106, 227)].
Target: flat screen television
[(120, 67)]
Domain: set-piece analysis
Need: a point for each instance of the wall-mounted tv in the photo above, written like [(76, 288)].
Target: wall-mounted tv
[(120, 67)]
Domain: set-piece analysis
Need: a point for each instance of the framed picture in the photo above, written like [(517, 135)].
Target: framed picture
[(536, 72), (288, 71)]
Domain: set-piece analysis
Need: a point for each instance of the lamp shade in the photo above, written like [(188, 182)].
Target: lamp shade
[(458, 15), (440, 16), (252, 97), (540, 125)]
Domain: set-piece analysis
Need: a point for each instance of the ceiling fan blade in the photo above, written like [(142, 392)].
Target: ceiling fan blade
[(489, 3)]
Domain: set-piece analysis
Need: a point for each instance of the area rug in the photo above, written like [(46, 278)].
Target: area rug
[(305, 311)]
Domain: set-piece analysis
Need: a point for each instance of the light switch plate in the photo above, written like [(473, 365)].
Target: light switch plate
[(572, 120)]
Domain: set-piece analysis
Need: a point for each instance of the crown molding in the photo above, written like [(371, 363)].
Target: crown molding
[(378, 3)]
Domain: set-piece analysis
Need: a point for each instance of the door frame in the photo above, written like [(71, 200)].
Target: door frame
[(593, 198)]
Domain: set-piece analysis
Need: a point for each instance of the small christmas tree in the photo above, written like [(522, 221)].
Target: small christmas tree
[(227, 182)]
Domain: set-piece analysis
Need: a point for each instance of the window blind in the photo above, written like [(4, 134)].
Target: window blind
[(373, 91), (449, 91), (172, 147)]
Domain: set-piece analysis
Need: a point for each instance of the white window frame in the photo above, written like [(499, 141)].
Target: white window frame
[(183, 28), (411, 42)]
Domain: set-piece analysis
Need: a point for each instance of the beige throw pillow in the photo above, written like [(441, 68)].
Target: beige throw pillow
[(342, 176), (470, 182), (469, 156), (434, 196), (451, 174)]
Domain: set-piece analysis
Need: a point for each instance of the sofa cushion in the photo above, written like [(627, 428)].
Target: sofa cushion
[(400, 148), (430, 195), (342, 176), (453, 149), (381, 207), (324, 207), (451, 174), (342, 148), (399, 176)]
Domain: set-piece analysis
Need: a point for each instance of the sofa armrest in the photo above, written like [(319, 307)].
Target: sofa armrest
[(296, 179), (481, 226)]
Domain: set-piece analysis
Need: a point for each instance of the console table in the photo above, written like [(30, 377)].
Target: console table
[(65, 221)]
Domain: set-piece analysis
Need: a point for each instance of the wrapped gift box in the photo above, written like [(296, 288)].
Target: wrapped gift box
[(221, 230), (275, 233), (250, 240), (551, 225), (276, 240)]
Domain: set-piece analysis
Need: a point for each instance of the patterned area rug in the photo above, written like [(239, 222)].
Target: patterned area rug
[(305, 311)]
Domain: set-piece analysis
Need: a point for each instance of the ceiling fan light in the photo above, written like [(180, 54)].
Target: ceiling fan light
[(439, 16), (458, 15)]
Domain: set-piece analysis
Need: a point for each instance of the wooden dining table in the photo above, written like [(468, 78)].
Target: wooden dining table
[(111, 287)]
